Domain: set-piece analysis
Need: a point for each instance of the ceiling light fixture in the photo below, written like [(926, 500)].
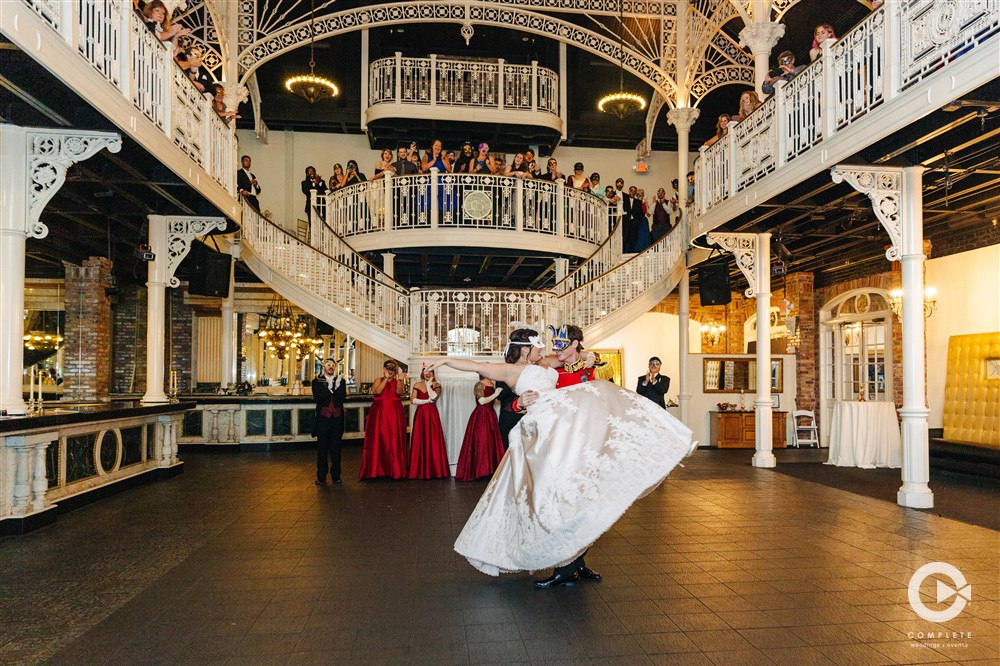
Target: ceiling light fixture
[(312, 87), (621, 104)]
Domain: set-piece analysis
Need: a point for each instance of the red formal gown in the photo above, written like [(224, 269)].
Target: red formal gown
[(482, 447), (384, 454), (428, 455)]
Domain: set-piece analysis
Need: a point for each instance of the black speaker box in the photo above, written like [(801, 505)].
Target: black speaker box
[(210, 276), (713, 284)]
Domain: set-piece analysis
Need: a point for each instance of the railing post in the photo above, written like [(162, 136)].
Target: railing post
[(399, 78), (125, 53), (534, 85), (892, 64), (314, 239), (206, 130), (432, 76), (390, 184), (434, 198), (560, 207), (519, 203), (701, 186), (500, 84), (168, 92), (69, 23), (733, 168), (784, 127), (829, 101)]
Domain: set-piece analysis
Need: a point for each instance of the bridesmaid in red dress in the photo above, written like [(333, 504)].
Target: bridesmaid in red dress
[(384, 453), (428, 455), (482, 447)]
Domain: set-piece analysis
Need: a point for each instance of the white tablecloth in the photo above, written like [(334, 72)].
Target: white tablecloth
[(866, 435)]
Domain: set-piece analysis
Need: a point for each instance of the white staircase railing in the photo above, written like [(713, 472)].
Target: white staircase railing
[(476, 84), (899, 47), (110, 36)]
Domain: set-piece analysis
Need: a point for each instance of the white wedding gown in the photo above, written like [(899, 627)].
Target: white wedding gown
[(577, 461)]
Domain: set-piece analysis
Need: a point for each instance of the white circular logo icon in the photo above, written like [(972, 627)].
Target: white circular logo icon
[(960, 589), (477, 205)]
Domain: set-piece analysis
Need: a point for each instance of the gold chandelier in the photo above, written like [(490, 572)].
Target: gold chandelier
[(312, 87), (42, 341), (712, 332), (621, 104), (280, 331)]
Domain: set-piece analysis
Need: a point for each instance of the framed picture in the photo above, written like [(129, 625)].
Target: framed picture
[(776, 401)]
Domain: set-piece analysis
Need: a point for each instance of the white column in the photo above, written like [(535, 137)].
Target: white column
[(228, 351), (682, 118), (761, 37), (364, 79), (684, 319), (156, 301), (24, 152), (914, 493), (563, 76), (764, 457)]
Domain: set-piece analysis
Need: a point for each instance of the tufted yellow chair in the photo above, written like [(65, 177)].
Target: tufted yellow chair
[(972, 401)]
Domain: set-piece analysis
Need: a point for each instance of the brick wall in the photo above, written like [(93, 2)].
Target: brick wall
[(87, 350), (180, 329)]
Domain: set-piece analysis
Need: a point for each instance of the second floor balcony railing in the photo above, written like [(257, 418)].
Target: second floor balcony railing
[(117, 43), (438, 206), (463, 85)]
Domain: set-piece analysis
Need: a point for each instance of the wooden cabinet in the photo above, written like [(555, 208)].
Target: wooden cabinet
[(736, 430)]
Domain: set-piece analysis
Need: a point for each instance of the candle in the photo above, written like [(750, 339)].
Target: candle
[(39, 389), (31, 383)]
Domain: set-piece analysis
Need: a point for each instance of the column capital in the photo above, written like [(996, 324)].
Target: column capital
[(744, 248), (235, 95), (883, 186), (683, 118), (761, 37), (181, 230)]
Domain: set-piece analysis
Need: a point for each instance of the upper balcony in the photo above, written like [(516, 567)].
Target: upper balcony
[(465, 90)]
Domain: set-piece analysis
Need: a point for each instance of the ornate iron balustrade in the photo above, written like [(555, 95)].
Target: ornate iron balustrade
[(116, 42), (462, 201), (896, 47), (435, 81)]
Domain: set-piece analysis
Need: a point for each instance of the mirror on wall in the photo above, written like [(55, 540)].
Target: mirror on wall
[(732, 375)]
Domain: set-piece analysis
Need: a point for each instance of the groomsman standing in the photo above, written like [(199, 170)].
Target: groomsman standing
[(329, 391), (246, 183)]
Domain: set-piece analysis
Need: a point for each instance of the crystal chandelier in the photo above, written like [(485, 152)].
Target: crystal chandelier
[(43, 338), (621, 104), (280, 331), (312, 87)]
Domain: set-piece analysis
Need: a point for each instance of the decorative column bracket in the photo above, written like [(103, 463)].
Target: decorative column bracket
[(181, 230), (883, 185), (49, 154), (744, 248)]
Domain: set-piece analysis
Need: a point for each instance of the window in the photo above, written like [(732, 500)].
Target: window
[(464, 342)]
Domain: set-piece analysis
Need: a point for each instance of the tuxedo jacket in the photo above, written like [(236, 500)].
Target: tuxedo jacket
[(324, 399), (243, 182), (654, 391)]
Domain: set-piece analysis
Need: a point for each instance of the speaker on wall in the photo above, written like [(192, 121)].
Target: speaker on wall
[(713, 284), (210, 276)]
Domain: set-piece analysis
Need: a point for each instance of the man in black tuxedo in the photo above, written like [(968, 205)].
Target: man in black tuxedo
[(653, 385), (510, 412), (329, 390), (313, 181), (246, 183)]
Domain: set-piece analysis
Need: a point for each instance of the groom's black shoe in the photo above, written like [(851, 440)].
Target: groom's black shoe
[(588, 573), (557, 579)]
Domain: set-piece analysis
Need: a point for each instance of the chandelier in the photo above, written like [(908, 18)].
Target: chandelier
[(43, 338), (712, 332), (280, 332), (621, 104), (930, 302), (312, 87)]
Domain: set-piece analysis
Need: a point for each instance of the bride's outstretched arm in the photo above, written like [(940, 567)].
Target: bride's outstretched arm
[(503, 372)]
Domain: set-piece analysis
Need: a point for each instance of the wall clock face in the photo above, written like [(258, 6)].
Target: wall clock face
[(477, 205), (993, 368)]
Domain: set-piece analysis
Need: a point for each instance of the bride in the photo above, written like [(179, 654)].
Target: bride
[(577, 461)]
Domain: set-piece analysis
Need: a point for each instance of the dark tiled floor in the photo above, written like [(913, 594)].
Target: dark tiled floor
[(242, 560)]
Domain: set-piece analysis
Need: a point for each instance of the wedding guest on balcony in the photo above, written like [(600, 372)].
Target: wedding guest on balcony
[(415, 160), (219, 106), (384, 164), (428, 454), (721, 130), (641, 214), (466, 159), (403, 166), (434, 158), (614, 202), (631, 213), (158, 20), (552, 173), (533, 166), (353, 175), (313, 181), (823, 32), (338, 179), (384, 452), (485, 162), (577, 180), (449, 160), (785, 71), (595, 185), (661, 216), (690, 198), (518, 168), (246, 182), (749, 102)]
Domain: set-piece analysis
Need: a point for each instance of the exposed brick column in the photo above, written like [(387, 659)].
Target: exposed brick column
[(129, 362), (180, 333), (87, 364), (799, 291)]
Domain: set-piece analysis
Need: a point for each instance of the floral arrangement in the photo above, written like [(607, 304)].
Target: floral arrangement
[(728, 407)]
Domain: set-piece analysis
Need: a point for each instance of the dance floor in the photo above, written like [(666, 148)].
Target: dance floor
[(242, 560)]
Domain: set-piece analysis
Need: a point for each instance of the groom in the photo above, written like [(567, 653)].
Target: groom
[(573, 369)]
